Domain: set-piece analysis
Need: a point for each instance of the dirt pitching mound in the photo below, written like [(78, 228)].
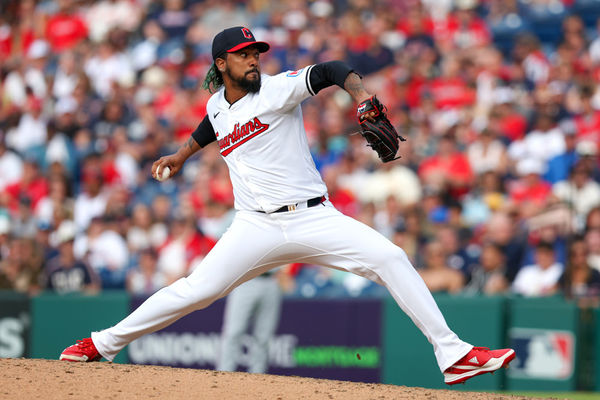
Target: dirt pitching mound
[(24, 379)]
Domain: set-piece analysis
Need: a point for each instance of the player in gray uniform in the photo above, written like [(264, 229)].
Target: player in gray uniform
[(283, 214), (257, 303)]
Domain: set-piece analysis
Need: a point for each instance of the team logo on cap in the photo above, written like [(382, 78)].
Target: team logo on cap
[(247, 34)]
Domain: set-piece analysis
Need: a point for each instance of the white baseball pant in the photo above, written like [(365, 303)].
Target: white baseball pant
[(257, 242)]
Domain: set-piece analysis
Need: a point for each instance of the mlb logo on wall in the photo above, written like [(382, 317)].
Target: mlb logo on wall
[(542, 353)]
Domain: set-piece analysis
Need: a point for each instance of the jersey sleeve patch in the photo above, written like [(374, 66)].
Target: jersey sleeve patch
[(298, 72), (293, 74)]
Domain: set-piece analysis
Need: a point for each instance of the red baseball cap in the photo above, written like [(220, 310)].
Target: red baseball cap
[(233, 39)]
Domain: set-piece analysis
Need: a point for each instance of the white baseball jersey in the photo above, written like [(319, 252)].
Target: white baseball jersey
[(262, 138)]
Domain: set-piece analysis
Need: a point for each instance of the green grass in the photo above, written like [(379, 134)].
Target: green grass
[(560, 395)]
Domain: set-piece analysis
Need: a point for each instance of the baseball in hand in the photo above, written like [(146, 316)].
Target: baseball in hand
[(163, 175)]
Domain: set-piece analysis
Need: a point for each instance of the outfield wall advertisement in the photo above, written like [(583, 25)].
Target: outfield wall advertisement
[(544, 333), (15, 320), (335, 339)]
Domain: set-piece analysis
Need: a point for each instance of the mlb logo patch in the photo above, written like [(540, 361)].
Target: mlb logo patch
[(361, 109), (292, 74), (542, 354)]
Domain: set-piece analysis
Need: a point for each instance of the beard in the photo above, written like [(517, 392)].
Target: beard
[(249, 85)]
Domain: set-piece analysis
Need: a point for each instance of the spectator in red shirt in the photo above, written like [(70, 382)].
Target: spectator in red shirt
[(508, 121), (183, 249), (450, 90), (530, 192), (448, 168), (356, 37), (343, 199), (6, 38), (588, 121), (219, 185), (32, 185), (463, 28), (18, 26), (416, 21), (65, 29)]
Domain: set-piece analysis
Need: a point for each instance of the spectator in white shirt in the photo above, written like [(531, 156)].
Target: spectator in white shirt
[(106, 251), (106, 15), (487, 153), (106, 67), (28, 75), (31, 132), (541, 278), (67, 75), (543, 143), (580, 191), (11, 165), (91, 202)]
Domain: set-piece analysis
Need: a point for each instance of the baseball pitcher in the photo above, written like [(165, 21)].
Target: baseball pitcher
[(283, 214)]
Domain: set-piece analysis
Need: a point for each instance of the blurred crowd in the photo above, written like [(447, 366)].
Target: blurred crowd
[(497, 190)]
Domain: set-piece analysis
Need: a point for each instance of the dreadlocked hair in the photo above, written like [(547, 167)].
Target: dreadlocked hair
[(213, 80)]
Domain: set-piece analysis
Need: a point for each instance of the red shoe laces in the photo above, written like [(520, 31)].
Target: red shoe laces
[(481, 348)]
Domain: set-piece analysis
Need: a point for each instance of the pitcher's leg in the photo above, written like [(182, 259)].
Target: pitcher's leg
[(233, 260), (158, 311), (344, 243), (239, 307), (415, 299)]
